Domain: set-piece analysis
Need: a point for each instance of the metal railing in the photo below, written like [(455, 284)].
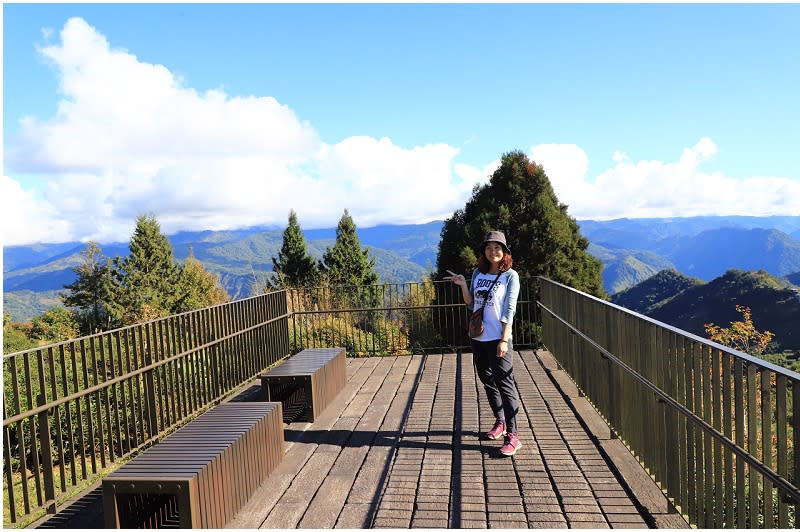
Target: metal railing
[(73, 410), (714, 426), (396, 318)]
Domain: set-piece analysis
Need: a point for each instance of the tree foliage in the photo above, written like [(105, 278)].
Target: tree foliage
[(197, 287), (145, 285), (55, 325), (145, 281), (741, 335), (347, 263), (14, 336), (544, 240), (349, 269), (294, 267), (91, 292)]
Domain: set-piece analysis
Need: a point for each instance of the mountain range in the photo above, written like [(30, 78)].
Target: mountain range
[(632, 250), (706, 247), (689, 303)]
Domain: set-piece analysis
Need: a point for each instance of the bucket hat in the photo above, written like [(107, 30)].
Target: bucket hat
[(496, 236)]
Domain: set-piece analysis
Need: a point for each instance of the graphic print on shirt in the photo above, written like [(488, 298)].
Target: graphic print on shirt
[(481, 290), (494, 301)]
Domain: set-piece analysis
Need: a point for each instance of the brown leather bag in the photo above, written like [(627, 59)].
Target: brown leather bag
[(475, 326)]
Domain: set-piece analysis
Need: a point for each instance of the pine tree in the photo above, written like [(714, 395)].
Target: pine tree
[(347, 263), (90, 294), (294, 267), (145, 281), (197, 287), (544, 240)]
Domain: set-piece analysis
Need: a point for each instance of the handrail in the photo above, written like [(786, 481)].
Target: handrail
[(128, 327), (790, 489), (717, 428), (73, 408), (139, 371), (739, 354)]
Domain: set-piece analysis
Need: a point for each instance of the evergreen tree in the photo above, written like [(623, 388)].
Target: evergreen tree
[(347, 263), (197, 287), (544, 240), (145, 282), (294, 267), (90, 294)]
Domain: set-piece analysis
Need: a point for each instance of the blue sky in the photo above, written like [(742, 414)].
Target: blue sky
[(221, 116)]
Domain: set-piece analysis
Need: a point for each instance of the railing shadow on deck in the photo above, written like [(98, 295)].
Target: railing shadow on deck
[(715, 427)]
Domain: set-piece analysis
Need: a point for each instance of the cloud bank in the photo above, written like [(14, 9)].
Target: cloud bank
[(130, 137), (654, 189)]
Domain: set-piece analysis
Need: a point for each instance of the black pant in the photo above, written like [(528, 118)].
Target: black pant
[(497, 376)]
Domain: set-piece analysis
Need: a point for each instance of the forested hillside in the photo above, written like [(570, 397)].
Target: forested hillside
[(689, 304), (656, 290), (704, 247), (631, 251), (624, 268), (34, 275)]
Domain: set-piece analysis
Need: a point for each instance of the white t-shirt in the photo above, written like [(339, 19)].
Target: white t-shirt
[(492, 327)]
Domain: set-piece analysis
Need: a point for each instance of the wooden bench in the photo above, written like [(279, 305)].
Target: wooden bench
[(201, 475), (307, 382)]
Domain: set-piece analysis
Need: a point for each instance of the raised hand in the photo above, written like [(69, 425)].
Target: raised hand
[(456, 278)]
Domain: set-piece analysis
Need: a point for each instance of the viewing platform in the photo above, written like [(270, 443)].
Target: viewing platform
[(403, 446), (702, 433)]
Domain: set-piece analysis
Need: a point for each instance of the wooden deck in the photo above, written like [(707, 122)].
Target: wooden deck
[(402, 447)]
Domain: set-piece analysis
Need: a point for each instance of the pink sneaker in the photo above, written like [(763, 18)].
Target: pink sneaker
[(511, 444), (498, 430)]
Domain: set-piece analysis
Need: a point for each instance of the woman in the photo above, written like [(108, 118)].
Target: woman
[(496, 285)]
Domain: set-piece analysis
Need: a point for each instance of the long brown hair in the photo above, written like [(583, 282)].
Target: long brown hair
[(484, 266)]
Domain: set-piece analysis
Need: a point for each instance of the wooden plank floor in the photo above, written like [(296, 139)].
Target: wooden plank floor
[(402, 447)]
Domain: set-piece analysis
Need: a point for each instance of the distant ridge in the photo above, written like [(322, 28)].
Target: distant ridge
[(703, 247), (34, 275), (632, 250), (656, 290), (689, 304), (624, 268)]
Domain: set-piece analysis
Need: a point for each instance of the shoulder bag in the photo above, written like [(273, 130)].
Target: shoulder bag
[(475, 325)]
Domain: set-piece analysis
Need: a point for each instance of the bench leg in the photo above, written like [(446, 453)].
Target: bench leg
[(110, 510), (188, 497)]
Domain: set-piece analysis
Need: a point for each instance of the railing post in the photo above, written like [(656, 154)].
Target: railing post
[(150, 394), (47, 456), (795, 460)]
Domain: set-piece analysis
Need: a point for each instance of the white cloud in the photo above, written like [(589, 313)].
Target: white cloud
[(662, 189), (566, 161), (130, 137), (619, 156), (28, 219)]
